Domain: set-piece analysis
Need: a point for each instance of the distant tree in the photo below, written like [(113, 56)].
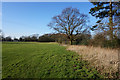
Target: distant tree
[(15, 39), (27, 38), (22, 38), (46, 38), (60, 37), (70, 22), (8, 38), (34, 37)]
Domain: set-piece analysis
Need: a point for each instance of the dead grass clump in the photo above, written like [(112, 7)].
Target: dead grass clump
[(103, 59)]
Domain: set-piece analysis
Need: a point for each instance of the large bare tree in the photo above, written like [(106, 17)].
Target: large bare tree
[(70, 22)]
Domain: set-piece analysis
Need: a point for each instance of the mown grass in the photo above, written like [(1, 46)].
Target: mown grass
[(43, 60)]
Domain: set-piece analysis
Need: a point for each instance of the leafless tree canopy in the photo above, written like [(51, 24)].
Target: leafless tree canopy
[(70, 21)]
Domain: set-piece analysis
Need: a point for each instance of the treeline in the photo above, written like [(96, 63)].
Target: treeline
[(31, 38), (100, 39), (56, 37)]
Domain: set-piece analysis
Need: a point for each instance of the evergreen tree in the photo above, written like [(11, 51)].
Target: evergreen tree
[(103, 10)]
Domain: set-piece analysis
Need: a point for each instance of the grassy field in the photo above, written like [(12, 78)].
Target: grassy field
[(43, 60)]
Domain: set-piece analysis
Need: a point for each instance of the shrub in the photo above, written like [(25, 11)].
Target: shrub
[(102, 41), (83, 39)]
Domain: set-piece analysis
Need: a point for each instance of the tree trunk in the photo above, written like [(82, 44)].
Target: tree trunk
[(71, 39), (111, 22), (70, 42)]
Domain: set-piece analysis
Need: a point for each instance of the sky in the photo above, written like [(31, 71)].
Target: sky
[(46, 0), (27, 18)]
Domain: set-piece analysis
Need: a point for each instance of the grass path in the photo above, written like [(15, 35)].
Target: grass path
[(42, 60)]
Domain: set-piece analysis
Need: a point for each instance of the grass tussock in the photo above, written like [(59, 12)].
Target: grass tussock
[(105, 60)]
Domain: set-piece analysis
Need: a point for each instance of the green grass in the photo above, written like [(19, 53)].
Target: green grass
[(43, 60)]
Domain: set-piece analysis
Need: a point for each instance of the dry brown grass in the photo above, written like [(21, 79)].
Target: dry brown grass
[(104, 60)]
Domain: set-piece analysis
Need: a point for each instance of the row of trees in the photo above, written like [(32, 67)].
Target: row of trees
[(56, 37), (81, 39), (31, 38)]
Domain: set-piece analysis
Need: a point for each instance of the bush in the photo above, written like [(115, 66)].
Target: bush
[(102, 41), (111, 43), (82, 39)]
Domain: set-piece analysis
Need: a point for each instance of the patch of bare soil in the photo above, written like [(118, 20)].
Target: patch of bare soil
[(103, 59)]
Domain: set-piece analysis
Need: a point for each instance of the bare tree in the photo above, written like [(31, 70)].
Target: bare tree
[(70, 22)]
